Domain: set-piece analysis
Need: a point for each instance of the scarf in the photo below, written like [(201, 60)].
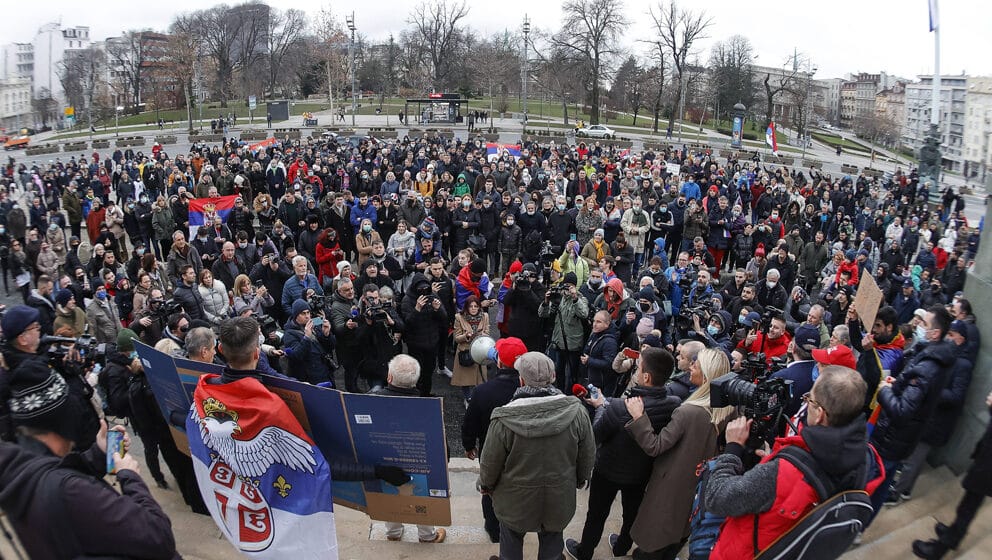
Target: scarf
[(473, 320), (527, 392), (599, 245)]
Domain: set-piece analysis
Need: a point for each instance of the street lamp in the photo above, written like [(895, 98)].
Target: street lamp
[(117, 122), (525, 66), (350, 21), (809, 94)]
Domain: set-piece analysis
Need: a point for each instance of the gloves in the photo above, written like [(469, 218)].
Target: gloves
[(393, 475)]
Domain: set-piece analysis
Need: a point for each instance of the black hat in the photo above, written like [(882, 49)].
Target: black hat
[(17, 319), (478, 266), (570, 279), (39, 398)]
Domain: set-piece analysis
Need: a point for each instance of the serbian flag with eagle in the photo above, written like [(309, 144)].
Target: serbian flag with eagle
[(769, 139), (203, 210), (495, 151), (265, 482)]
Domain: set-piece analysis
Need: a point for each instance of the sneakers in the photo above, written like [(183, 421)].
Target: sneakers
[(896, 498), (857, 540), (572, 549), (446, 372), (439, 535)]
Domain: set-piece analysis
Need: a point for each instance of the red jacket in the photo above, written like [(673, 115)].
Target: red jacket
[(774, 347), (327, 261), (794, 498), (851, 267)]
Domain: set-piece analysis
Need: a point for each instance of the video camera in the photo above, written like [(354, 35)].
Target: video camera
[(268, 325), (164, 308), (90, 351), (317, 303), (688, 278), (761, 401), (547, 254), (377, 311)]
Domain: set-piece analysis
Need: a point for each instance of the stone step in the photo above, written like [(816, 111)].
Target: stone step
[(933, 489)]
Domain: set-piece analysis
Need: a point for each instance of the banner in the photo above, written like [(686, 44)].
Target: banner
[(770, 137), (495, 151), (737, 132), (406, 432)]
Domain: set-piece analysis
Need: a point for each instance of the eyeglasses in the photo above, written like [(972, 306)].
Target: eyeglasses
[(809, 401)]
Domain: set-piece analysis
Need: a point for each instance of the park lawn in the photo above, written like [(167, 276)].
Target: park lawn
[(834, 141)]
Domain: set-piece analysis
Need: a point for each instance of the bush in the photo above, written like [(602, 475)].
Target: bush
[(746, 135)]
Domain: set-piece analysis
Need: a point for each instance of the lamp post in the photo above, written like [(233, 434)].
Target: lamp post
[(117, 122), (525, 70), (808, 109), (350, 21)]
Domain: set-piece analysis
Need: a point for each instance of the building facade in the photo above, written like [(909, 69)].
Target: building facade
[(978, 129), (953, 90), (18, 61), (50, 45), (15, 104)]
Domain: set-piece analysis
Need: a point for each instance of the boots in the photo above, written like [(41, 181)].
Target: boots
[(930, 550)]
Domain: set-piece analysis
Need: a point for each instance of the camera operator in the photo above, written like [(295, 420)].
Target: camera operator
[(26, 357), (273, 273), (523, 301), (380, 326), (768, 337), (150, 321), (424, 317), (834, 436), (569, 309), (307, 342)]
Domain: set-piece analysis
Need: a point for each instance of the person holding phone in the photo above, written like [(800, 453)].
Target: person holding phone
[(54, 493), (307, 342)]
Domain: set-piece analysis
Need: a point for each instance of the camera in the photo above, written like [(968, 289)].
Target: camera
[(90, 351), (161, 308), (376, 312), (317, 303), (688, 277), (762, 401)]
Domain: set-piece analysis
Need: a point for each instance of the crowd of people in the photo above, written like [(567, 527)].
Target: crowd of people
[(646, 283)]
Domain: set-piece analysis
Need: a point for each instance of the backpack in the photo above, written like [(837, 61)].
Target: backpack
[(828, 529), (704, 526)]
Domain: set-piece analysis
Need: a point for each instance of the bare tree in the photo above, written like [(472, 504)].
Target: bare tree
[(591, 30), (128, 56), (285, 29), (45, 106), (251, 42), (332, 48), (220, 33), (557, 71), (80, 72), (436, 28), (732, 73), (182, 52), (789, 82), (497, 57), (677, 31)]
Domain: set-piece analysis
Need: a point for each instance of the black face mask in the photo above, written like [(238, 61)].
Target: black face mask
[(645, 307)]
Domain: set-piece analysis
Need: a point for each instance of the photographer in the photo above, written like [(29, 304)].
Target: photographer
[(800, 369), (380, 326), (425, 317), (834, 437), (569, 310), (150, 320), (273, 273), (25, 357), (767, 336), (306, 342), (523, 301)]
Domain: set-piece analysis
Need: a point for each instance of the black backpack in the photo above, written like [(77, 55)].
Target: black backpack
[(830, 528)]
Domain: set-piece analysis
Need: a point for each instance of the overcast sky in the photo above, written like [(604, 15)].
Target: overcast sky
[(840, 36)]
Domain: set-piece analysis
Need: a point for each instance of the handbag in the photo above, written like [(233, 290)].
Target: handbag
[(465, 358), (477, 242)]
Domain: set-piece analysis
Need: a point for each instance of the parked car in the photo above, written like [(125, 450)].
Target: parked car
[(16, 143), (596, 131)]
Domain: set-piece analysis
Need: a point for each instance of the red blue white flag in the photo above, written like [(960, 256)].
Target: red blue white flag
[(203, 210), (769, 139), (495, 151), (265, 482)]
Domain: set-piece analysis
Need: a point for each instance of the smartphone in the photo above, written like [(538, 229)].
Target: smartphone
[(318, 321), (631, 353), (115, 444), (572, 237)]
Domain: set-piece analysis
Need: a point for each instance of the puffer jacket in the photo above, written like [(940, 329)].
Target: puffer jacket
[(216, 304), (619, 459), (908, 404)]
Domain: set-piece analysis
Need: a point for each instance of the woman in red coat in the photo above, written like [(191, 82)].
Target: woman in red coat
[(328, 254)]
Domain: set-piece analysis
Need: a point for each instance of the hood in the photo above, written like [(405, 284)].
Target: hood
[(839, 450), (616, 285), (21, 468), (942, 352), (659, 244), (535, 417), (726, 321)]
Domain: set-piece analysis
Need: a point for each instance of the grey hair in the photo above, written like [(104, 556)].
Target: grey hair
[(404, 371), (842, 334), (298, 258), (199, 339)]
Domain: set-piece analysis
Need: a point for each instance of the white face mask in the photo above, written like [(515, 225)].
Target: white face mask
[(770, 284)]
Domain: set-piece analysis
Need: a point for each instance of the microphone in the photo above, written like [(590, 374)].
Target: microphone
[(580, 391)]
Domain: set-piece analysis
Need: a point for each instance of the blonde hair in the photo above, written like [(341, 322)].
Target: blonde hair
[(167, 346), (713, 364)]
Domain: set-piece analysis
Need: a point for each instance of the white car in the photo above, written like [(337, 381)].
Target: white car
[(596, 131)]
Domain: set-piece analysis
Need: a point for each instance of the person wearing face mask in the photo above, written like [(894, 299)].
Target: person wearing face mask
[(771, 293), (636, 223), (907, 400), (465, 222), (102, 317), (509, 242)]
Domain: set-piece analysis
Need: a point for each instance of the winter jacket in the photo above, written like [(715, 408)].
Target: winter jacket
[(567, 321), (494, 393), (939, 429), (63, 508), (423, 327), (306, 354), (538, 451), (103, 321), (601, 348), (190, 298), (908, 404), (635, 225), (619, 459), (216, 304), (295, 289)]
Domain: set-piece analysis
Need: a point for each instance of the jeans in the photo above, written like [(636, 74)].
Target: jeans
[(566, 368), (602, 492), (882, 492), (424, 532), (511, 545)]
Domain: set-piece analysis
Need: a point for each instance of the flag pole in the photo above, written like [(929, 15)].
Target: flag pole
[(935, 93)]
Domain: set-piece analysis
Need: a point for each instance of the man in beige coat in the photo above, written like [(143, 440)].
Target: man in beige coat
[(539, 449)]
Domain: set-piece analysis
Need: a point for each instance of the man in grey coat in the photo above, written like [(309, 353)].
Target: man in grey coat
[(539, 449)]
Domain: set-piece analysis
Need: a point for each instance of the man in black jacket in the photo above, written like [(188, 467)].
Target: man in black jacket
[(425, 316), (621, 465), (909, 399), (492, 394), (187, 293)]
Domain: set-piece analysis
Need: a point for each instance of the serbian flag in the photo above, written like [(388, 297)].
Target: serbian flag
[(265, 482), (253, 148), (494, 151), (769, 138), (202, 211)]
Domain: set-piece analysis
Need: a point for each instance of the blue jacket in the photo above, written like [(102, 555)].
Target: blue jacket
[(294, 289), (691, 190), (306, 361), (358, 214)]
